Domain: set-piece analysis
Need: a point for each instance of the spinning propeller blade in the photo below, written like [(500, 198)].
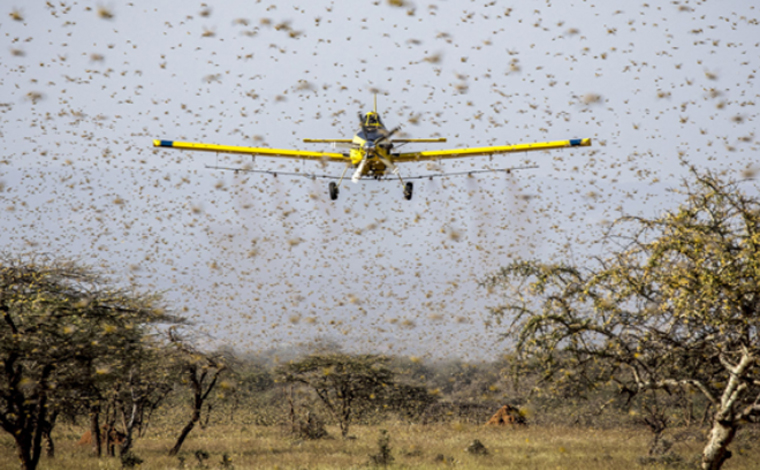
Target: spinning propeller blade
[(345, 145), (387, 136), (358, 173), (388, 164)]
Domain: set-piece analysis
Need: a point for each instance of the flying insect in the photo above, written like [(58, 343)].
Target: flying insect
[(372, 153)]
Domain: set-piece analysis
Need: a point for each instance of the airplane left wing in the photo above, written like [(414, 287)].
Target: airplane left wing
[(478, 151), (264, 152)]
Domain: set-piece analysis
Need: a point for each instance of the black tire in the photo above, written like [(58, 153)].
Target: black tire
[(408, 190), (333, 188)]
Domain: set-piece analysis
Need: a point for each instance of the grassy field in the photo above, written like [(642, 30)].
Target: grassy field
[(412, 446)]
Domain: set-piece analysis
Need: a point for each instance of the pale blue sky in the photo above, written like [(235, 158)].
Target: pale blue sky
[(264, 262)]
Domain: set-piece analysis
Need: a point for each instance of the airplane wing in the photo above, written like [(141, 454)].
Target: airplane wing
[(478, 151), (264, 152)]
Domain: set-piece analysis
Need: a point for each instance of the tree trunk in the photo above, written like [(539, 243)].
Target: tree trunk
[(293, 428), (716, 451), (40, 419), (185, 431), (129, 427), (97, 450), (196, 379), (29, 437), (204, 423), (47, 431), (110, 443), (24, 451), (345, 420), (49, 444)]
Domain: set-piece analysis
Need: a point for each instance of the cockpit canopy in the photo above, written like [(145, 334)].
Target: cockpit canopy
[(372, 119)]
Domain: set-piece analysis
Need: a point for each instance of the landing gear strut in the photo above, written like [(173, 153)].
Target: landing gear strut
[(333, 188), (408, 188)]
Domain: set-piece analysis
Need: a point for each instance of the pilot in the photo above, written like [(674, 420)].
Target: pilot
[(372, 119)]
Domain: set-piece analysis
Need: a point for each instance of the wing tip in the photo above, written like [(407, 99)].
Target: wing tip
[(580, 142), (163, 143)]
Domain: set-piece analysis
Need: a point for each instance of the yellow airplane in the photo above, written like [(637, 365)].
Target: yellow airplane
[(371, 153)]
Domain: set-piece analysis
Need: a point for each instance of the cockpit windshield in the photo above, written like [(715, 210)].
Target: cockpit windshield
[(372, 119)]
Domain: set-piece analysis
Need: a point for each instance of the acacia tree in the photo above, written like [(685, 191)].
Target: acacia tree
[(676, 305), (201, 372), (138, 391), (342, 382), (121, 391), (63, 326)]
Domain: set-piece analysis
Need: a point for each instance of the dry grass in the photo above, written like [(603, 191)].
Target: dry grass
[(413, 446)]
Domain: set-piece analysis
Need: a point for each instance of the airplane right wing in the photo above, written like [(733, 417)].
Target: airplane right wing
[(478, 151)]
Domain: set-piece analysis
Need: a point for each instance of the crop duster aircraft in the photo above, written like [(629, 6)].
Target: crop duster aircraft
[(372, 153)]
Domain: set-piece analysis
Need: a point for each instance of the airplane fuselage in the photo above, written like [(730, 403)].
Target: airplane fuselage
[(371, 151)]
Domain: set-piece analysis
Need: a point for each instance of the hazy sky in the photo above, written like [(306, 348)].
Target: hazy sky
[(266, 262)]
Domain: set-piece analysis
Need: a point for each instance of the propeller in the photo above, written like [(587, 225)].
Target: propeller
[(358, 173), (355, 146), (345, 145), (383, 138), (369, 147), (388, 164), (361, 122)]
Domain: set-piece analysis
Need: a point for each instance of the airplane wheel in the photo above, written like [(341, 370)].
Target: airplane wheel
[(408, 188), (333, 191)]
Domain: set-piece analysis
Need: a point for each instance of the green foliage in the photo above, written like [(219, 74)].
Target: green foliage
[(342, 382), (253, 378), (674, 306), (66, 332), (311, 428), (408, 401)]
